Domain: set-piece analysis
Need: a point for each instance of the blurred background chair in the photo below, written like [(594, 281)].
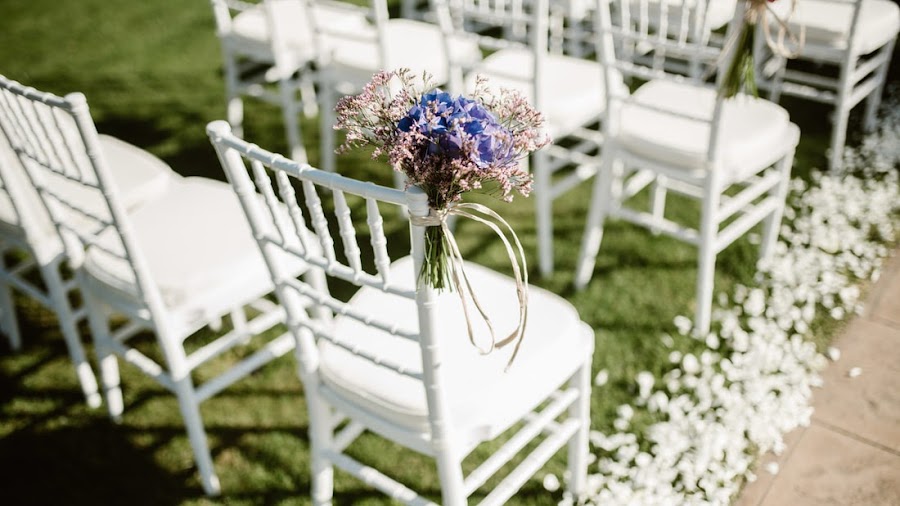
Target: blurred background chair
[(568, 91), (679, 135), (844, 60), (395, 359), (171, 267), (353, 56), (33, 261), (269, 44)]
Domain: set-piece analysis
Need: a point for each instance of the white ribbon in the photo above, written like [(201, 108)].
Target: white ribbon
[(460, 280), (759, 10)]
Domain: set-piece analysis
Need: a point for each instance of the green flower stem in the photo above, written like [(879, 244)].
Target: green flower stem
[(435, 270), (740, 75)]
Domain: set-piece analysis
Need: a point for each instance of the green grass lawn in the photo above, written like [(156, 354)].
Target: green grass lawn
[(152, 75)]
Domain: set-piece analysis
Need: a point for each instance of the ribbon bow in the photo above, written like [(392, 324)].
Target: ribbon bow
[(759, 9), (460, 280)]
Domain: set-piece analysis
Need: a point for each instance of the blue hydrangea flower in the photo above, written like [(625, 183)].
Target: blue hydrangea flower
[(453, 123)]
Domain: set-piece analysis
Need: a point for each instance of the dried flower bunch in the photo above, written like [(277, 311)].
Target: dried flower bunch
[(740, 74), (444, 144)]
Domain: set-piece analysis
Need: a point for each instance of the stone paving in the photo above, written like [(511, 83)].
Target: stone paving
[(850, 453)]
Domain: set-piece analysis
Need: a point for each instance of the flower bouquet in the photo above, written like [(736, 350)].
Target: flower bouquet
[(444, 144), (739, 76), (448, 145)]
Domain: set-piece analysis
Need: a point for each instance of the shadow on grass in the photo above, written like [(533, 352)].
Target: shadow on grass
[(188, 156), (72, 465)]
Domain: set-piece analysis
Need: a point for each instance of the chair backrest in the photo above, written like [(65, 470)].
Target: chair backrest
[(19, 208), (830, 25), (376, 11), (626, 26), (56, 142), (259, 30), (500, 25), (265, 183)]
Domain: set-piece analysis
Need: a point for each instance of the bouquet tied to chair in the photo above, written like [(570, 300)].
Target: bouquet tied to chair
[(448, 145), (779, 37)]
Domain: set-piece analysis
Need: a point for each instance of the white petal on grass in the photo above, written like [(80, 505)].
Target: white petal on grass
[(690, 364), (621, 424), (551, 483), (601, 378), (645, 381), (719, 411), (683, 324)]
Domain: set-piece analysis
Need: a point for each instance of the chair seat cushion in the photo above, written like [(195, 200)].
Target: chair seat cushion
[(828, 23), (198, 248), (483, 400), (415, 45), (751, 128), (573, 88), (250, 29), (139, 176)]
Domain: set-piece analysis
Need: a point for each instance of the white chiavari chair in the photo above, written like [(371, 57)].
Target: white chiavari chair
[(568, 91), (177, 264), (268, 51), (844, 60), (681, 135), (30, 245), (395, 359)]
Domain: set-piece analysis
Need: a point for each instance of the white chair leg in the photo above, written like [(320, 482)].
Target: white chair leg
[(706, 262), (106, 359), (190, 412), (772, 224), (69, 327), (291, 114), (543, 214), (838, 137), (578, 445), (235, 106), (320, 440), (593, 228), (657, 202), (450, 471), (9, 323), (308, 96), (326, 127), (874, 99), (776, 83)]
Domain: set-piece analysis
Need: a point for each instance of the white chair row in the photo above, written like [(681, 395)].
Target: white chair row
[(349, 47), (394, 359), (572, 93), (143, 251), (335, 45), (847, 49)]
